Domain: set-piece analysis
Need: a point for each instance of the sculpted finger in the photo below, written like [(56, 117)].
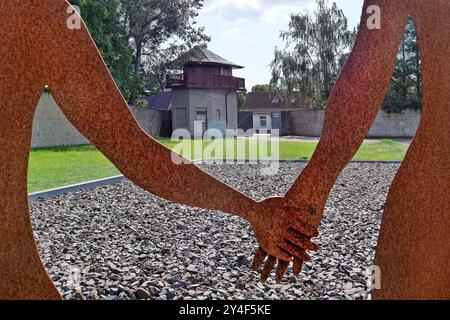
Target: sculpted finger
[(268, 268), (295, 250), (298, 266), (281, 270), (305, 229), (301, 240), (259, 258)]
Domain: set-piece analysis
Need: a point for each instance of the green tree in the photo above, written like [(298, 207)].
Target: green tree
[(159, 31), (317, 46), (103, 21), (406, 87), (261, 88), (241, 97)]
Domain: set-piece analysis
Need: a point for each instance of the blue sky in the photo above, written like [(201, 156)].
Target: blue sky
[(247, 31)]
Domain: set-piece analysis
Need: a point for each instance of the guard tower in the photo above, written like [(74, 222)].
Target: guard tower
[(204, 91)]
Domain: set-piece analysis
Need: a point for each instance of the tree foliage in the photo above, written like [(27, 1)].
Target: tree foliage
[(261, 88), (317, 47), (405, 90), (159, 31), (241, 98), (103, 21), (139, 39)]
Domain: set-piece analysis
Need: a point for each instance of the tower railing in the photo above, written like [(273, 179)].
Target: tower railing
[(205, 81)]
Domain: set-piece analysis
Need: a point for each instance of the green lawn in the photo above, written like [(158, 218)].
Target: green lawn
[(384, 150), (57, 167)]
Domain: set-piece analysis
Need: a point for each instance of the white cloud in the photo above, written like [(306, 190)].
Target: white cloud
[(265, 10), (233, 32), (237, 33)]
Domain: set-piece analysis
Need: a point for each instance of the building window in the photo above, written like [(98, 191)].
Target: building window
[(263, 121), (219, 116)]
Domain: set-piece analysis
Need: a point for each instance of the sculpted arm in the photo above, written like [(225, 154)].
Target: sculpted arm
[(87, 94), (353, 105)]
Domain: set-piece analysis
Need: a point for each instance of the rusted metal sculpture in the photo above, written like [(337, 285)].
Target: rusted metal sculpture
[(37, 49), (414, 250), (414, 246)]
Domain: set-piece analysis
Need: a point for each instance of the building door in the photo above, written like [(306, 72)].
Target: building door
[(276, 121), (201, 121)]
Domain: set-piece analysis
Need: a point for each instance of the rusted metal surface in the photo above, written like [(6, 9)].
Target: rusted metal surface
[(284, 236), (414, 246), (39, 49), (414, 250)]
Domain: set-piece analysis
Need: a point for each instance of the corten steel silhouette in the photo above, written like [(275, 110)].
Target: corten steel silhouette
[(414, 245), (37, 49)]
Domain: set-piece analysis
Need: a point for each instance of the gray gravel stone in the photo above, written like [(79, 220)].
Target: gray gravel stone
[(120, 242), (141, 293)]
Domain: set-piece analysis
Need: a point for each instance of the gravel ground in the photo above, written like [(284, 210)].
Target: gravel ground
[(119, 242)]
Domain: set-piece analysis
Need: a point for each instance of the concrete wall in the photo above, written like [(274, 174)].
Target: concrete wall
[(52, 129), (187, 101), (232, 111), (396, 125), (306, 122), (309, 122), (180, 109), (149, 120)]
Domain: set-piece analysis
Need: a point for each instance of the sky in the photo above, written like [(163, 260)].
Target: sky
[(246, 32)]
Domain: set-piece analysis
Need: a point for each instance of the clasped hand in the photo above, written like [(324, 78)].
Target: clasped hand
[(284, 231)]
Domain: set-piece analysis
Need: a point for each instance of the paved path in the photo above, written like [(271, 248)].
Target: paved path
[(316, 139)]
